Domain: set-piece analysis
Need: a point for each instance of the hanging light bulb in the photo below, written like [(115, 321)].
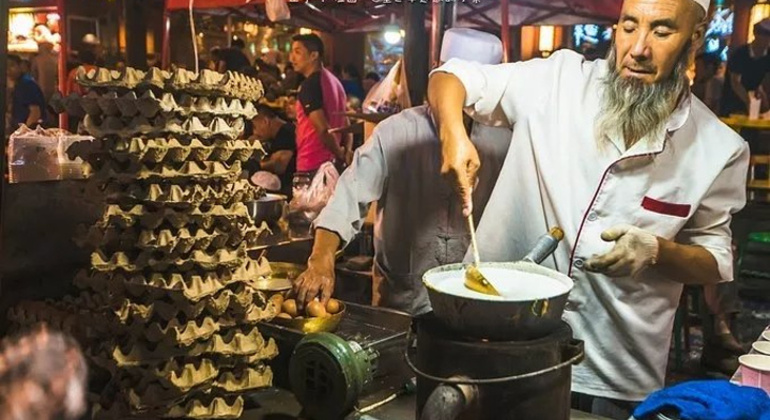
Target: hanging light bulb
[(392, 32)]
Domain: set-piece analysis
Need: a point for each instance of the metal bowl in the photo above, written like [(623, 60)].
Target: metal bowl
[(267, 209), (313, 325), (507, 319)]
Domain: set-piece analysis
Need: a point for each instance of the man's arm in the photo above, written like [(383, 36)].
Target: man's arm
[(321, 125), (735, 83), (277, 162), (688, 264), (342, 218), (34, 115)]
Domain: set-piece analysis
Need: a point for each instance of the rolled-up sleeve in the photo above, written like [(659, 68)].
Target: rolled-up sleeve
[(361, 184), (709, 227), (504, 93)]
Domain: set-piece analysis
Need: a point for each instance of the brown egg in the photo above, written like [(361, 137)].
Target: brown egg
[(283, 315), (316, 309), (333, 306), (289, 306), (277, 300)]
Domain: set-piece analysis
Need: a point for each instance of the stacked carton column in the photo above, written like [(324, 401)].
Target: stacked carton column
[(169, 292)]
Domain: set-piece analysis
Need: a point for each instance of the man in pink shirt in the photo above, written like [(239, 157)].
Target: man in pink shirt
[(320, 106)]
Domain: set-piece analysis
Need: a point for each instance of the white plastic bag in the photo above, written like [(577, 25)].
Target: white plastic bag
[(308, 200), (277, 10), (391, 94)]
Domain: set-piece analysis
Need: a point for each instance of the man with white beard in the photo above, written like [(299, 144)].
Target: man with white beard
[(641, 176)]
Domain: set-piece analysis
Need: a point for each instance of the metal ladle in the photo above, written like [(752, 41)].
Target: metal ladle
[(474, 280)]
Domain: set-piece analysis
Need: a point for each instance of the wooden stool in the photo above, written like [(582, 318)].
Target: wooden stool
[(758, 188)]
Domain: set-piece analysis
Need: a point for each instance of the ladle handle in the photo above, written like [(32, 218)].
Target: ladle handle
[(474, 244), (545, 246)]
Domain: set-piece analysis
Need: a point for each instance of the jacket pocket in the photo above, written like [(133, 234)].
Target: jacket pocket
[(669, 209)]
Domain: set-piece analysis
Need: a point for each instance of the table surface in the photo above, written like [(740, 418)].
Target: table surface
[(742, 121), (275, 403)]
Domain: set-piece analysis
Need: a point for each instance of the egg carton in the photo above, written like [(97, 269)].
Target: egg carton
[(144, 260), (139, 125), (226, 193), (237, 300), (174, 172), (185, 333), (158, 150), (206, 217), (201, 406), (170, 241), (206, 82), (179, 287), (247, 344), (29, 313), (149, 105), (153, 392)]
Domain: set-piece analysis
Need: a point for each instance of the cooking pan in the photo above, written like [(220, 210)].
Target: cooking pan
[(267, 209), (506, 317)]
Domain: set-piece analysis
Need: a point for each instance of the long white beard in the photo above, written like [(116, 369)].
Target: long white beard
[(633, 109)]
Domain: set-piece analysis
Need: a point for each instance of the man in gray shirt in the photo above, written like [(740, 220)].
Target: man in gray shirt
[(419, 225)]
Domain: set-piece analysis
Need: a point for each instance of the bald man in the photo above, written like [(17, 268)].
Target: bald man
[(641, 176)]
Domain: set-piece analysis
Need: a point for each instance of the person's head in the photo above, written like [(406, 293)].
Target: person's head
[(238, 44), (307, 53), (647, 65), (653, 37), (350, 72), (42, 377), (762, 33), (370, 80), (87, 56), (15, 67), (266, 123)]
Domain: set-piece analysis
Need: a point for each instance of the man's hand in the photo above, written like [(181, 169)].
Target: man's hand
[(634, 250), (459, 165), (316, 281)]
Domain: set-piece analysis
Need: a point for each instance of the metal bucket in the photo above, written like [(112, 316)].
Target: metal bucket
[(504, 319)]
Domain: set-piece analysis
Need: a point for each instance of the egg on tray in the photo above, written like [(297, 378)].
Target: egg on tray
[(288, 308)]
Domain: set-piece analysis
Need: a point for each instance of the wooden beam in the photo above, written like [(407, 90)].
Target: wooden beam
[(481, 14), (363, 22), (487, 7), (416, 52), (505, 30), (559, 10)]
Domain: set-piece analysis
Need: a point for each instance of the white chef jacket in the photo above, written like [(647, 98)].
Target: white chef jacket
[(683, 183), (419, 223)]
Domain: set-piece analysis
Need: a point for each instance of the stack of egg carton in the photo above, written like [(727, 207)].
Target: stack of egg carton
[(169, 306)]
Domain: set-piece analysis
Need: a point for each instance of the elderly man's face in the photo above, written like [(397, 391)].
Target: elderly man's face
[(652, 35)]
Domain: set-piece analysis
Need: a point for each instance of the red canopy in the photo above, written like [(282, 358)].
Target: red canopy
[(209, 4)]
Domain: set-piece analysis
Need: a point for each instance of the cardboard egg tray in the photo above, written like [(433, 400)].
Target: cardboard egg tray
[(172, 150), (206, 83), (149, 105), (218, 127), (180, 241), (189, 171), (200, 406), (189, 286), (235, 301), (241, 342), (181, 195), (208, 217)]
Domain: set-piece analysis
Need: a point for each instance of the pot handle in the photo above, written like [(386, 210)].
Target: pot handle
[(575, 355)]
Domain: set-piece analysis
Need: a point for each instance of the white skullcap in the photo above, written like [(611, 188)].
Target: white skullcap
[(704, 4), (471, 45)]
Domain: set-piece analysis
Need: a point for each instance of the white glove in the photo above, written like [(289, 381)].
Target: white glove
[(634, 250)]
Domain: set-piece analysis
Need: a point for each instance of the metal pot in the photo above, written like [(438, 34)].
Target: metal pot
[(503, 319), (267, 209)]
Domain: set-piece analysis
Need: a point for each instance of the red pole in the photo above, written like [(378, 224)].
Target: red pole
[(505, 30), (63, 55), (166, 53)]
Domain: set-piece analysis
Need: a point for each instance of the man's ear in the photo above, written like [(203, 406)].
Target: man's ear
[(699, 34), (315, 55)]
